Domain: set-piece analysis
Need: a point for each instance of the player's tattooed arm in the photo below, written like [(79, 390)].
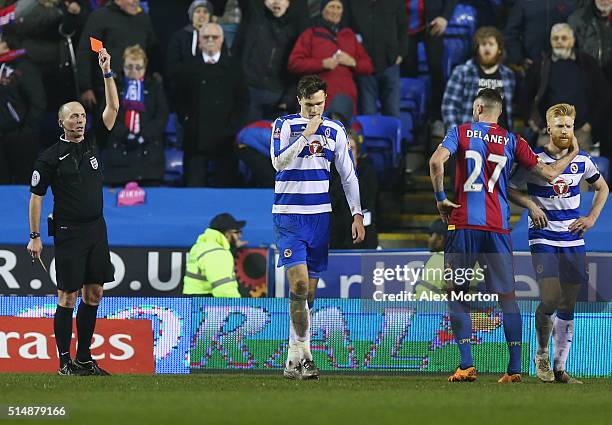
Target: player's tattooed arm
[(553, 170), (436, 173), (436, 168)]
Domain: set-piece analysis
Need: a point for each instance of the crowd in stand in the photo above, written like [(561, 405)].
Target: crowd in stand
[(220, 65)]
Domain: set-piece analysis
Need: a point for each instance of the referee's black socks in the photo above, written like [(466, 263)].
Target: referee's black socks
[(62, 327), (86, 323)]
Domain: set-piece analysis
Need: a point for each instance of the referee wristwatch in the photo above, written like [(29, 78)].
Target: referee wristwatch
[(34, 235)]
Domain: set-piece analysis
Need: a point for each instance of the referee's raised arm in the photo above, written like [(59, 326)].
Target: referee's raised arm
[(109, 115)]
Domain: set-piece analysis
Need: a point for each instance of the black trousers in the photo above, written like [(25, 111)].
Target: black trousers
[(434, 49)]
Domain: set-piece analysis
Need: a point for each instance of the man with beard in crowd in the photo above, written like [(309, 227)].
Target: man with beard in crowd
[(485, 70)]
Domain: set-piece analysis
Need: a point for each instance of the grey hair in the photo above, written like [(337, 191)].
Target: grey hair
[(560, 27)]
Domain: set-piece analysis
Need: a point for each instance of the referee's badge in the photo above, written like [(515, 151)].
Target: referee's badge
[(574, 168), (287, 253), (94, 162), (35, 178)]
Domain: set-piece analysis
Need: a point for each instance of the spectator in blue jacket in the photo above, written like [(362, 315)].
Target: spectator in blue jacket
[(485, 70)]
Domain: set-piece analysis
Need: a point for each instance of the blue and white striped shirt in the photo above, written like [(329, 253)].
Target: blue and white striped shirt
[(303, 166), (560, 199)]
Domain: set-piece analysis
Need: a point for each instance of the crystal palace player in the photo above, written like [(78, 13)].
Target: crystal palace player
[(555, 240), (478, 222)]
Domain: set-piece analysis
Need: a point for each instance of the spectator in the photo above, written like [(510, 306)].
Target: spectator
[(254, 152), (212, 109), (230, 21), (183, 45), (136, 144), (592, 25), (382, 25), (264, 43), (49, 33), (566, 76), (528, 28), (427, 22), (22, 105), (210, 264), (341, 237), (332, 50), (484, 71), (119, 24)]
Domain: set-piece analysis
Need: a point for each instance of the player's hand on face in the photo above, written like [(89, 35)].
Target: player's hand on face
[(313, 125), (574, 147), (104, 60), (357, 229), (538, 217), (445, 208), (581, 225), (35, 247)]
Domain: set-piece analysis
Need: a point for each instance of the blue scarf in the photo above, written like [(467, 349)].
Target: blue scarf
[(133, 104)]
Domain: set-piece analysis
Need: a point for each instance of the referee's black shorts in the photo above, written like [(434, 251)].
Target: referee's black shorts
[(82, 255)]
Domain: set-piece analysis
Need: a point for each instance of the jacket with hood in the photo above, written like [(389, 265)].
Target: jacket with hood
[(210, 267), (321, 41)]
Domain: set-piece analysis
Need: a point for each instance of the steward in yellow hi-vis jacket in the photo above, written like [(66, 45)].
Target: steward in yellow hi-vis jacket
[(210, 265)]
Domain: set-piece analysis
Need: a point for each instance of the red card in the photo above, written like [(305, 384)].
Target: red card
[(96, 45)]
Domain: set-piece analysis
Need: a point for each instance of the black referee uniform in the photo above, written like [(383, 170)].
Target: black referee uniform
[(73, 171)]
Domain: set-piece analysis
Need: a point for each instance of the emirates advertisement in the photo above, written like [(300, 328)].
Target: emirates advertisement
[(120, 346)]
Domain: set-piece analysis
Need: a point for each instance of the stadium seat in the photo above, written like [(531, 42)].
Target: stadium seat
[(456, 51), (413, 91), (171, 132), (463, 22), (382, 141), (174, 166), (422, 65), (458, 37)]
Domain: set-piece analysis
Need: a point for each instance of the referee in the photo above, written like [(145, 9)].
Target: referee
[(72, 168)]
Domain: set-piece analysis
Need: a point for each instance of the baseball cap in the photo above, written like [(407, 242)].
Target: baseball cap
[(225, 221), (439, 227)]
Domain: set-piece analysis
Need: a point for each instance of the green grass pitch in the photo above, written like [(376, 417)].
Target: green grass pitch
[(210, 398)]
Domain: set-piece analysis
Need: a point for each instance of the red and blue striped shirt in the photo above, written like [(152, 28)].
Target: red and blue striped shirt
[(485, 155)]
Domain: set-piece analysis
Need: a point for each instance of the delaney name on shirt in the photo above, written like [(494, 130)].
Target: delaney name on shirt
[(489, 138)]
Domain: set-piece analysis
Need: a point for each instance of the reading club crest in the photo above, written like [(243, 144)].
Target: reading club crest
[(94, 162), (574, 168)]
